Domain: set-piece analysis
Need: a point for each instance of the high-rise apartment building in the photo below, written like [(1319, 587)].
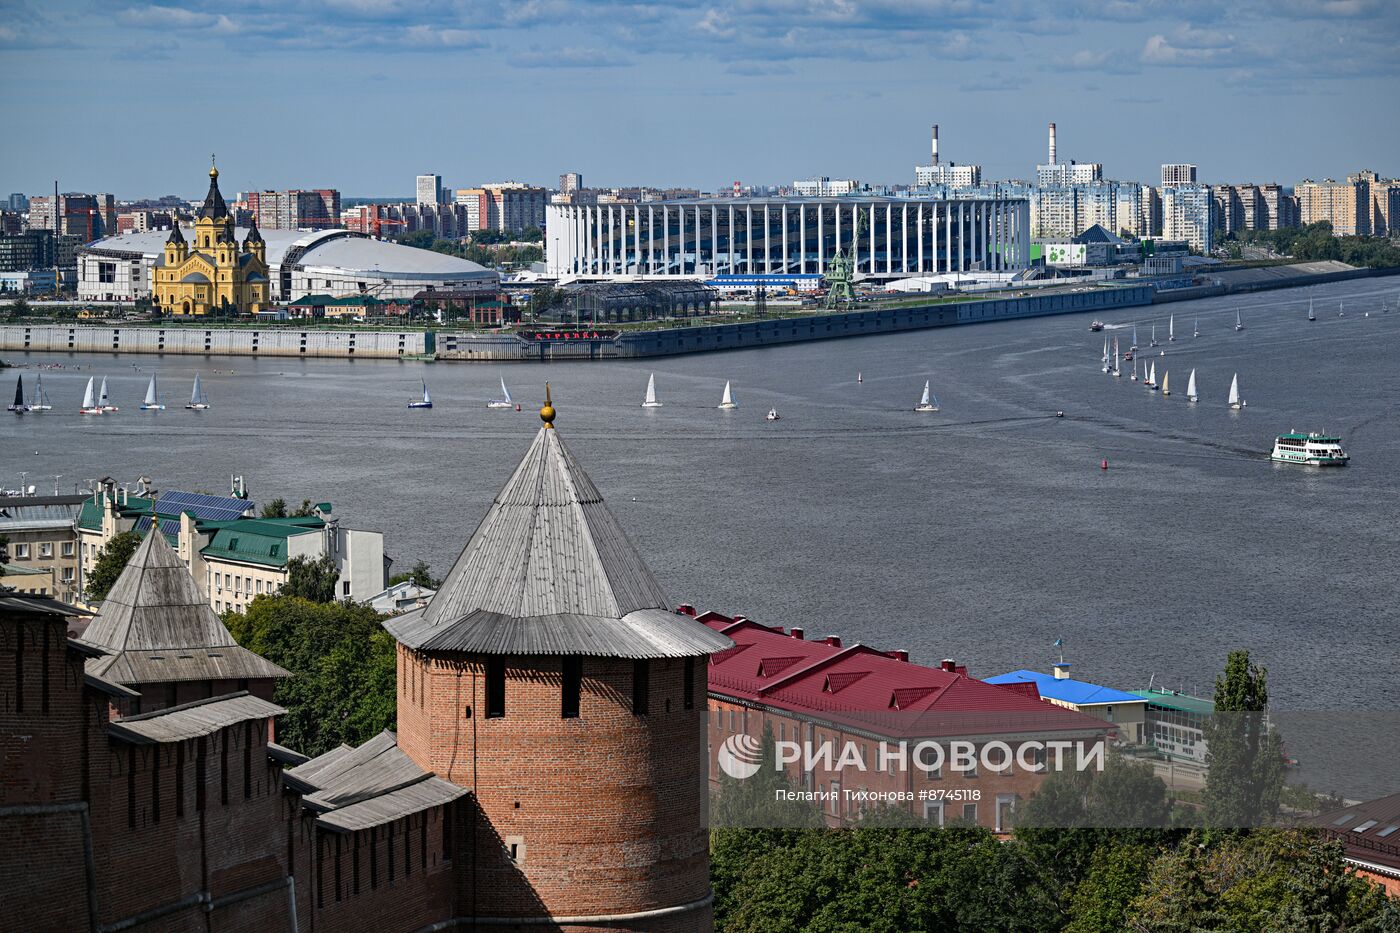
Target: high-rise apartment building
[(85, 216), (1345, 205), (1178, 173), (18, 203), (1150, 220), (1280, 208), (1188, 213), (1384, 201), (430, 190), (295, 209), (509, 206), (570, 182)]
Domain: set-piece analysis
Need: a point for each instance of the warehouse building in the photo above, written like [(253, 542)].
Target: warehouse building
[(891, 236)]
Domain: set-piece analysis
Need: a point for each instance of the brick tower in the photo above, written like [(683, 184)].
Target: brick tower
[(549, 677)]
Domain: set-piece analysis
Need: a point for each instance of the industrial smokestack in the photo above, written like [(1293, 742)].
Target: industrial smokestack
[(935, 144), (1052, 145)]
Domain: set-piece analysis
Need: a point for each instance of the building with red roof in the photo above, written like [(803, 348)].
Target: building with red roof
[(823, 691)]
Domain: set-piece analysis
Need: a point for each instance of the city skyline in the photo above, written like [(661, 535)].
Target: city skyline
[(761, 92)]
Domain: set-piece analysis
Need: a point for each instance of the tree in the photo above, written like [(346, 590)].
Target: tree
[(421, 574), (1100, 903), (110, 563), (4, 549), (312, 579), (1244, 757), (277, 508), (305, 510), (342, 661)]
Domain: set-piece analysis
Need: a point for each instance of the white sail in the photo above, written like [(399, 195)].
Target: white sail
[(1191, 386), (1311, 315), (426, 397), (41, 398), (1134, 337), (151, 391), (505, 393), (1171, 327), (651, 389), (1166, 383), (1152, 378), (102, 395), (1235, 391), (196, 394), (1105, 349), (728, 400), (88, 400), (924, 400)]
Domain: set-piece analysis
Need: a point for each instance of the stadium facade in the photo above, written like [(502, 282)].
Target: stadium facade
[(899, 236), (335, 262)]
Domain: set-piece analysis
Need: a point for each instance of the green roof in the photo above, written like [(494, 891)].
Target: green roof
[(1177, 701), (20, 570), (257, 540), (1300, 436), (320, 301)]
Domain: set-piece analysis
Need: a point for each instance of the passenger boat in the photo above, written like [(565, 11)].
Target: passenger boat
[(1096, 326), (152, 402), (39, 401), (1191, 387), (103, 401), (198, 402), (1236, 402), (650, 401), (772, 414), (426, 401), (90, 406), (727, 403), (19, 407), (928, 402), (505, 401), (1311, 449)]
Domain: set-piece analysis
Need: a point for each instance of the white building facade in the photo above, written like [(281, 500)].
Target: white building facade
[(1188, 214), (898, 237)]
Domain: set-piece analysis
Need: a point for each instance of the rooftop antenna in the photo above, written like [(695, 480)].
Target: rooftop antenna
[(56, 478), (23, 475)]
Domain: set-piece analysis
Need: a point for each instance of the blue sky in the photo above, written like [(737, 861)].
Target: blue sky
[(364, 94)]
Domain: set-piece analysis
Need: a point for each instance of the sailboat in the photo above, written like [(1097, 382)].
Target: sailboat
[(1166, 383), (19, 407), (727, 403), (39, 401), (90, 406), (1117, 369), (1105, 354), (1239, 325), (927, 402), (1135, 345), (103, 401), (1191, 387), (1311, 315), (152, 402), (1171, 329), (1154, 335), (197, 400), (651, 401), (772, 414), (1197, 331), (1151, 382), (426, 401), (859, 376), (1135, 362), (1340, 311), (505, 400), (1235, 401)]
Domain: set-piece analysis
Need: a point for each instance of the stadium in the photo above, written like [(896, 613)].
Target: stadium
[(334, 262)]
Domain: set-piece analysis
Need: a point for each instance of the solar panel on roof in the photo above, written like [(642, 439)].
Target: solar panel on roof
[(211, 508), (168, 526)]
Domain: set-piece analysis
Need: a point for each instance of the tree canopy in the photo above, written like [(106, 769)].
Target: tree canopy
[(1244, 756), (421, 574), (312, 579), (342, 661), (111, 561)]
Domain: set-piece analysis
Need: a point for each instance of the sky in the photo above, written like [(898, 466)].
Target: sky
[(362, 95)]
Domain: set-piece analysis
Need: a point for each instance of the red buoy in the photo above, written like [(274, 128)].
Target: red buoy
[(1104, 465)]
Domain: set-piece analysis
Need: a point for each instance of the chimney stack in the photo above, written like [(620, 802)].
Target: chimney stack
[(834, 641), (797, 633), (900, 654), (935, 144), (949, 665), (1052, 145)]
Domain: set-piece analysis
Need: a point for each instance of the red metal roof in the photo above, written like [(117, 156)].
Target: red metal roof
[(877, 691)]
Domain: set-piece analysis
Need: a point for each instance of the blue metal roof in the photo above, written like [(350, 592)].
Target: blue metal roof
[(1067, 690)]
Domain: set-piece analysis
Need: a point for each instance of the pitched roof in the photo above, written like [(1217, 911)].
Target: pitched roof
[(214, 207), (549, 571), (875, 691), (357, 788), (192, 720), (157, 627), (1067, 689), (1369, 832)]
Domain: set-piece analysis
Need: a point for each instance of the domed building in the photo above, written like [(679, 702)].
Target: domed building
[(215, 274)]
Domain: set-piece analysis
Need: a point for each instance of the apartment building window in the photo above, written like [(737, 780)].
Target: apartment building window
[(345, 588), (969, 814), (46, 552), (260, 584), (21, 551), (933, 812), (835, 798), (66, 548), (69, 574)]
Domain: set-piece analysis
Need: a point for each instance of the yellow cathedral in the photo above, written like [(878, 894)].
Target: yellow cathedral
[(212, 275)]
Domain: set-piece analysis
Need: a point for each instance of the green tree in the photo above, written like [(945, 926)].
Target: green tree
[(312, 579), (342, 661), (421, 574), (305, 510), (1100, 902), (277, 508), (110, 563), (1244, 756), (4, 549)]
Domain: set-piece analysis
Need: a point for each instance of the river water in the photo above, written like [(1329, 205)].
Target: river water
[(982, 533)]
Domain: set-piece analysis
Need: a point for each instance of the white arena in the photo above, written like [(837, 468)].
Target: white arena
[(334, 262)]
